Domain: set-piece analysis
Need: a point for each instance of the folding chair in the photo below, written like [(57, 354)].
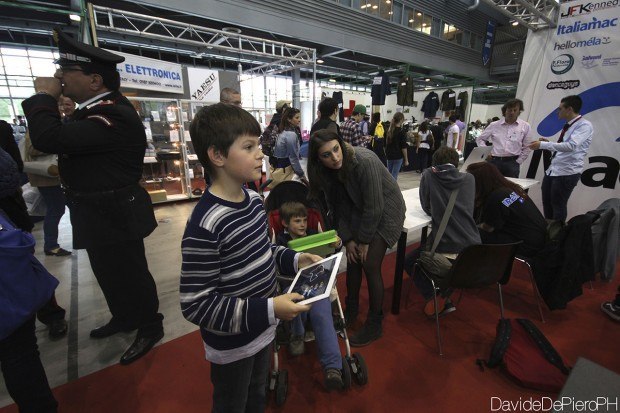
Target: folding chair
[(475, 267)]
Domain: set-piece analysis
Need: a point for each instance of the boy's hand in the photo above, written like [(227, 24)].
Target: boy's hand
[(306, 259), (285, 307), (352, 251), (336, 244)]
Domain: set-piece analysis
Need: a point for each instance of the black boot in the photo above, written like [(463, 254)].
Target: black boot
[(351, 311), (370, 332)]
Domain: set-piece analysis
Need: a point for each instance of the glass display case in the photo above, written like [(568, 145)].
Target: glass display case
[(165, 169), (195, 171)]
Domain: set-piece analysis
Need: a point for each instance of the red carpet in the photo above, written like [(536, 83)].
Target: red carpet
[(406, 374)]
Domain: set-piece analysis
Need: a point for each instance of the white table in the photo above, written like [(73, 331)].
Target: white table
[(416, 219)]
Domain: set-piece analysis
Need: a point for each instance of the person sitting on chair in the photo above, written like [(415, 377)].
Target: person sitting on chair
[(294, 216), (505, 213), (436, 185)]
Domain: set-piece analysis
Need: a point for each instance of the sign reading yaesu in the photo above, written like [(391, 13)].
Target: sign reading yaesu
[(143, 73), (204, 84)]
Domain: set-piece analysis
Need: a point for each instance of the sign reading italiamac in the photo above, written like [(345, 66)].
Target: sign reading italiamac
[(204, 84), (139, 72)]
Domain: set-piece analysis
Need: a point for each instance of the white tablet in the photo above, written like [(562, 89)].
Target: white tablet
[(316, 281), (478, 154)]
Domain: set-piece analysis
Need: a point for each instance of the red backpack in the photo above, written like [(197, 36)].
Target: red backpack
[(527, 356)]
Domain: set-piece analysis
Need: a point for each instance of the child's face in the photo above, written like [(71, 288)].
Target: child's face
[(244, 162), (297, 227)]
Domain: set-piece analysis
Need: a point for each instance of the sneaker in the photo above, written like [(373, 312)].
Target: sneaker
[(611, 310), (58, 252), (333, 379), (429, 307), (296, 347), (366, 335)]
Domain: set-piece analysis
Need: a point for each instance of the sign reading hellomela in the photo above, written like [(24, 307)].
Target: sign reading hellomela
[(204, 84), (139, 72), (581, 56)]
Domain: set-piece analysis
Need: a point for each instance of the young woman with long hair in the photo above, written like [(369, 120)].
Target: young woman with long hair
[(424, 144), (396, 147), (369, 213), (286, 149), (504, 211)]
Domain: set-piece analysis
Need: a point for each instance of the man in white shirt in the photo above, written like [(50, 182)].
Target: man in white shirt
[(452, 133), (568, 158), (510, 138)]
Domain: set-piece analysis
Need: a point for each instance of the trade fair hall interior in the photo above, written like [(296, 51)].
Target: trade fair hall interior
[(168, 168)]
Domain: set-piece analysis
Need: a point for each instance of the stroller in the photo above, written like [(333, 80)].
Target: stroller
[(354, 366)]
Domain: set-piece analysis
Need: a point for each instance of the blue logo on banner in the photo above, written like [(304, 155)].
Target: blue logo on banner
[(488, 43), (598, 97)]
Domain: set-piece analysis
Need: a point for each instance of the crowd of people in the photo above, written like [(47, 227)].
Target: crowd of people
[(228, 271)]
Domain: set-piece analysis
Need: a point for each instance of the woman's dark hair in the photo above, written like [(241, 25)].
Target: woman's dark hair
[(424, 127), (396, 120), (327, 107), (287, 117), (317, 173), (488, 179), (376, 117)]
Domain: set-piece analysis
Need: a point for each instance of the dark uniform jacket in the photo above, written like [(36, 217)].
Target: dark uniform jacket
[(101, 155)]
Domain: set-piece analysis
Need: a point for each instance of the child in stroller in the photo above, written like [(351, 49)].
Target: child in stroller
[(294, 219)]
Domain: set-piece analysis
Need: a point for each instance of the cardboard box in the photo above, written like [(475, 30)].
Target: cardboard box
[(158, 195)]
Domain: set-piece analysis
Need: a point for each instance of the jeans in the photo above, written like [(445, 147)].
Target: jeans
[(556, 190), (240, 386), (393, 166), (320, 315), (508, 168), (55, 208), (23, 372)]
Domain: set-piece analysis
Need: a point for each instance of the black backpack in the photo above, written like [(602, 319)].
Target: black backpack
[(527, 356), (268, 139)]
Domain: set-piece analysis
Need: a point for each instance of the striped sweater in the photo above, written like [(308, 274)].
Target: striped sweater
[(228, 276)]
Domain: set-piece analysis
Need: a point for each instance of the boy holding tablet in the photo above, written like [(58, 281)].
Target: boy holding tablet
[(228, 281)]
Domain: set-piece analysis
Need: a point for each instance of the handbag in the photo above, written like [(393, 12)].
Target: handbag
[(25, 285), (438, 266)]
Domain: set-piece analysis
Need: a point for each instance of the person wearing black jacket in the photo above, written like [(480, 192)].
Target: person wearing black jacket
[(100, 161)]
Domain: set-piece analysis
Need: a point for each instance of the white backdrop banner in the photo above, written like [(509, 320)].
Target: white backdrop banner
[(139, 72), (581, 56), (204, 84)]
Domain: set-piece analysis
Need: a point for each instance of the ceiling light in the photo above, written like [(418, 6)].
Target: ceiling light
[(427, 79), (363, 6), (320, 61), (390, 12), (375, 7), (332, 80), (418, 14), (388, 1), (515, 23), (75, 17), (410, 20), (423, 24)]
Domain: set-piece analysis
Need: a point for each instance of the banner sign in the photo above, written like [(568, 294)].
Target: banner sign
[(578, 57), (139, 72), (488, 43), (204, 84)]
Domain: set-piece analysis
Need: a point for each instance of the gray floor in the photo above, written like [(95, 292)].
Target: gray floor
[(77, 355)]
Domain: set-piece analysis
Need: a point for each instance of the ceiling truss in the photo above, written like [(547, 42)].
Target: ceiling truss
[(534, 14)]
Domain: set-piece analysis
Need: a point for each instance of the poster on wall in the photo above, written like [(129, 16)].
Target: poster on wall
[(204, 84), (139, 72), (578, 57)]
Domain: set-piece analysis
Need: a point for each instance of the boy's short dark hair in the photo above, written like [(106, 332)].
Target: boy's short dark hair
[(219, 126), (327, 107), (446, 155), (572, 101), (290, 210)]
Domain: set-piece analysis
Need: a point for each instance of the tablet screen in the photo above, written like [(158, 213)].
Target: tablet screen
[(316, 281)]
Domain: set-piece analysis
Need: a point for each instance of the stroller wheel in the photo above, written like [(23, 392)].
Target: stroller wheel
[(281, 387), (346, 373), (361, 376)]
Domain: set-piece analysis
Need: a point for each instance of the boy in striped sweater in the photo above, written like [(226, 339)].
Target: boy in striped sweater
[(228, 282)]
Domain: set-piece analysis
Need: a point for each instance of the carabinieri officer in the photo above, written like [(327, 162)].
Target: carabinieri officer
[(101, 155)]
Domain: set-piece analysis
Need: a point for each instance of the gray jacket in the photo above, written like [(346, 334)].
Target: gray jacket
[(373, 203), (436, 185)]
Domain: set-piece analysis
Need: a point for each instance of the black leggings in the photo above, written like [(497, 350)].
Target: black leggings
[(372, 269)]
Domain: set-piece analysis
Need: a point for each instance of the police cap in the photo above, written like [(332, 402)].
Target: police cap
[(73, 52)]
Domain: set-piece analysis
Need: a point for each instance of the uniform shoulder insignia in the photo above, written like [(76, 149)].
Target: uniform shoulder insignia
[(107, 102), (100, 118)]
